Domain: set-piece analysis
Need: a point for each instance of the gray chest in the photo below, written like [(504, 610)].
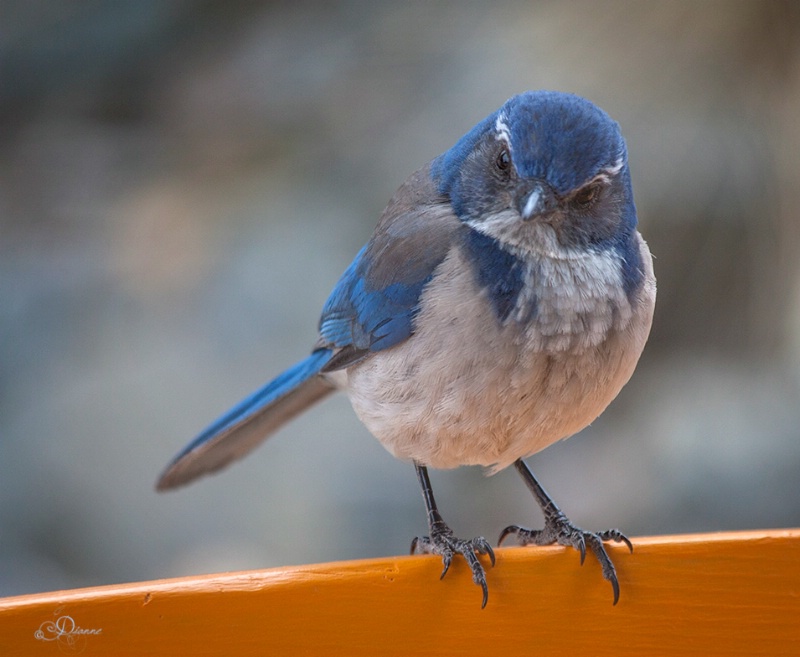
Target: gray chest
[(571, 304)]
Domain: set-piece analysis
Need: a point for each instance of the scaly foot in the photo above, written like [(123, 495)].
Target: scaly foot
[(558, 529), (442, 542)]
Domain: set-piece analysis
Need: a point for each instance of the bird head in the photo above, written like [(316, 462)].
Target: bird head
[(547, 172)]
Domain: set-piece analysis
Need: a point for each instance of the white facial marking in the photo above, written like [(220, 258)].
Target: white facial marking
[(501, 127), (605, 175), (524, 239), (615, 168)]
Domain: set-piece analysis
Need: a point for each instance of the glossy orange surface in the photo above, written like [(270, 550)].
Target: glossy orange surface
[(711, 594)]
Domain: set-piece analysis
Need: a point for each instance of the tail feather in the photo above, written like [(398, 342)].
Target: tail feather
[(250, 422)]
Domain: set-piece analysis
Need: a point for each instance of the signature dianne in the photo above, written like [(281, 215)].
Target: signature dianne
[(70, 636)]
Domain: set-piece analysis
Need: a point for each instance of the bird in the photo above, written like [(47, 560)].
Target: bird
[(501, 303)]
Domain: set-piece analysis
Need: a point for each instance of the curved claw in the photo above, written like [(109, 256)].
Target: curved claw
[(511, 529), (617, 536), (607, 566), (580, 547), (478, 574), (615, 587), (442, 542), (446, 560), (481, 546), (490, 552), (558, 529)]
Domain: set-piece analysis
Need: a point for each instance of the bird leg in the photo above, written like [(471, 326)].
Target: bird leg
[(443, 542), (559, 529)]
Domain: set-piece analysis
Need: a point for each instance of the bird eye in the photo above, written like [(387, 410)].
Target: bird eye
[(587, 196), (503, 161)]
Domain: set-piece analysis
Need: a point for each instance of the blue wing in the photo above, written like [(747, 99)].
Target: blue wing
[(374, 304), (371, 308), (360, 318)]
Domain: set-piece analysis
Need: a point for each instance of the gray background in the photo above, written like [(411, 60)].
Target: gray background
[(182, 182)]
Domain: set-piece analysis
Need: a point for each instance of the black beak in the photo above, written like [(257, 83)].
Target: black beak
[(535, 199)]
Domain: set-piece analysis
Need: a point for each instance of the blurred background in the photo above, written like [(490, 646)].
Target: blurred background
[(183, 181)]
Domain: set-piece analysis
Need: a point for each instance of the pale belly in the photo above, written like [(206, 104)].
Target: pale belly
[(467, 391), (487, 410)]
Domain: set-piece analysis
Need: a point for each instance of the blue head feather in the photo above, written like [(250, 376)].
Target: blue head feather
[(560, 138)]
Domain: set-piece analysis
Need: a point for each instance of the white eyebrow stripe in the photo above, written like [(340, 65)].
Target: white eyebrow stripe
[(501, 127), (600, 177), (605, 175), (615, 168)]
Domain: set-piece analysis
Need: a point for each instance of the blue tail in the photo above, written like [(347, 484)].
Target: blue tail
[(250, 422)]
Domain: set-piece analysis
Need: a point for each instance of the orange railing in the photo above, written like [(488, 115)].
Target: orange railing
[(711, 594)]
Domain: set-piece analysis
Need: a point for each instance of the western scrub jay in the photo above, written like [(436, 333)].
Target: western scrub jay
[(500, 305)]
